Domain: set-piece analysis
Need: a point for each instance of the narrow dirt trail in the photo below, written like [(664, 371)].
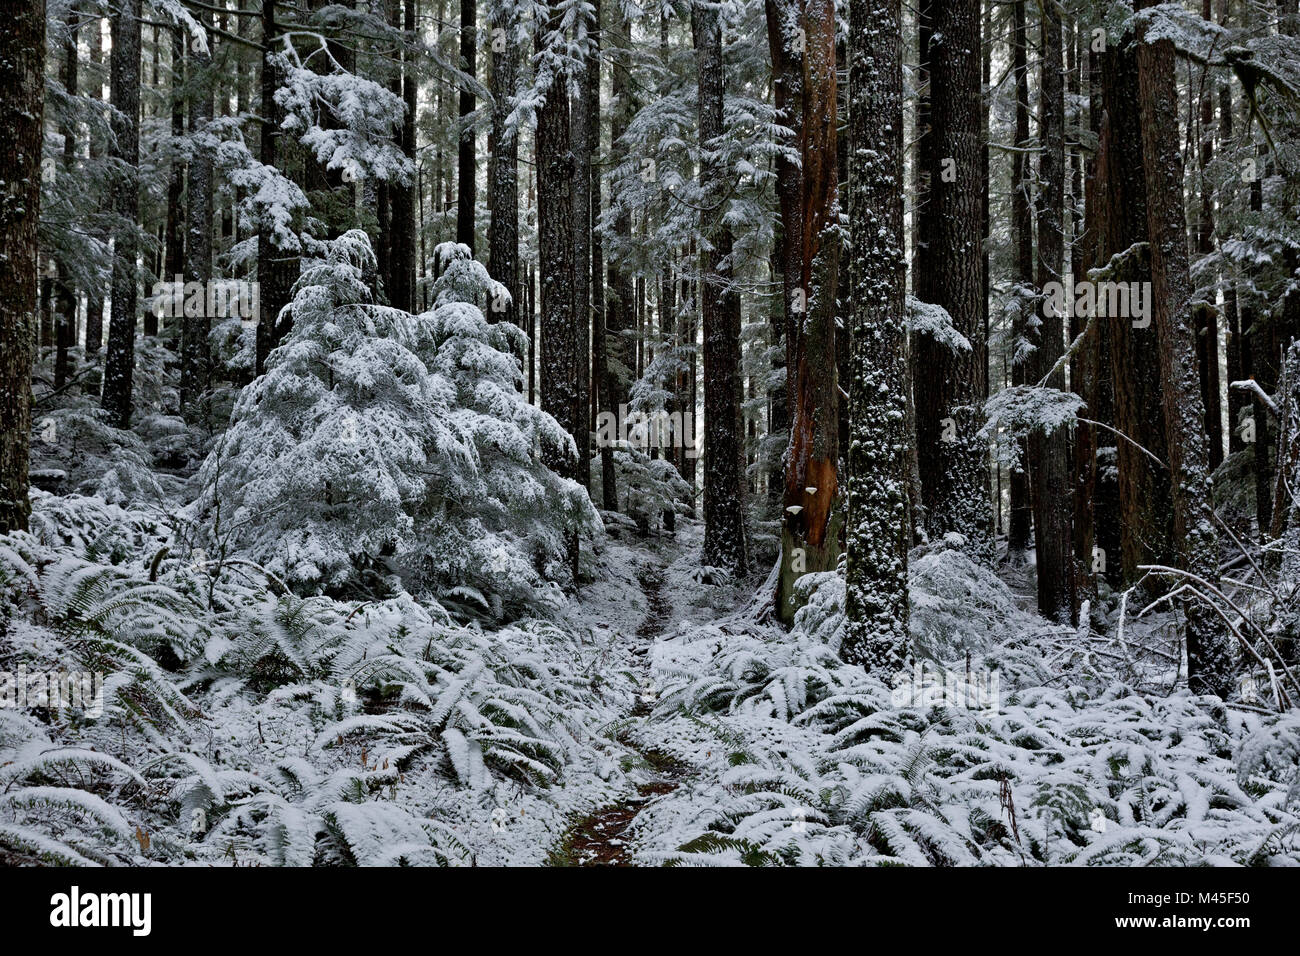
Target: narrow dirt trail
[(603, 838)]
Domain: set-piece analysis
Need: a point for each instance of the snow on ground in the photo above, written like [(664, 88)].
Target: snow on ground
[(652, 719)]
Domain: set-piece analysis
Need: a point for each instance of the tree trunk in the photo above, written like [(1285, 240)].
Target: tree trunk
[(124, 93), (1146, 505), (466, 191), (724, 481), (1049, 455), (950, 385), (811, 521), (197, 323), (277, 268), (877, 538), (580, 135), (503, 168), (1210, 665), (402, 195), (1021, 517), (22, 107), (559, 358)]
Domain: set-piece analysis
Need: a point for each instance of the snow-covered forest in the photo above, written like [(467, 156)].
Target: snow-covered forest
[(650, 432)]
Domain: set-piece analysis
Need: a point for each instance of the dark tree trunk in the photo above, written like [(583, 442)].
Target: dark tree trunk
[(600, 380), (174, 255), (466, 191), (197, 323), (581, 143), (1049, 455), (724, 481), (124, 93), (402, 195), (66, 320), (559, 360), (950, 385), (1022, 222), (277, 268), (877, 537), (1146, 507), (1210, 664), (503, 170), (22, 106)]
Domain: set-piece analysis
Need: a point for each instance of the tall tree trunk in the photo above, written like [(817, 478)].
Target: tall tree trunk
[(277, 268), (1022, 222), (1049, 455), (877, 538), (620, 359), (124, 94), (1210, 665), (1207, 319), (559, 358), (402, 195), (466, 190), (22, 108), (174, 246), (198, 235), (811, 521), (66, 321), (580, 138), (599, 345), (724, 481), (503, 167), (1146, 505), (950, 385)]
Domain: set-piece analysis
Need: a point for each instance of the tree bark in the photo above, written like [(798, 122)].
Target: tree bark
[(466, 188), (1210, 664), (877, 537), (277, 268), (950, 385), (124, 93), (724, 481), (197, 323), (812, 519), (1020, 521), (22, 108), (1049, 455), (559, 357)]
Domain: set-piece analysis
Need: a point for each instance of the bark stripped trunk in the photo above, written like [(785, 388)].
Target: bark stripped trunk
[(877, 537), (724, 480), (22, 106), (124, 86), (1210, 664), (811, 521)]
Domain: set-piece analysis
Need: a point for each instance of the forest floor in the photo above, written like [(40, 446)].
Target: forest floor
[(668, 599)]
